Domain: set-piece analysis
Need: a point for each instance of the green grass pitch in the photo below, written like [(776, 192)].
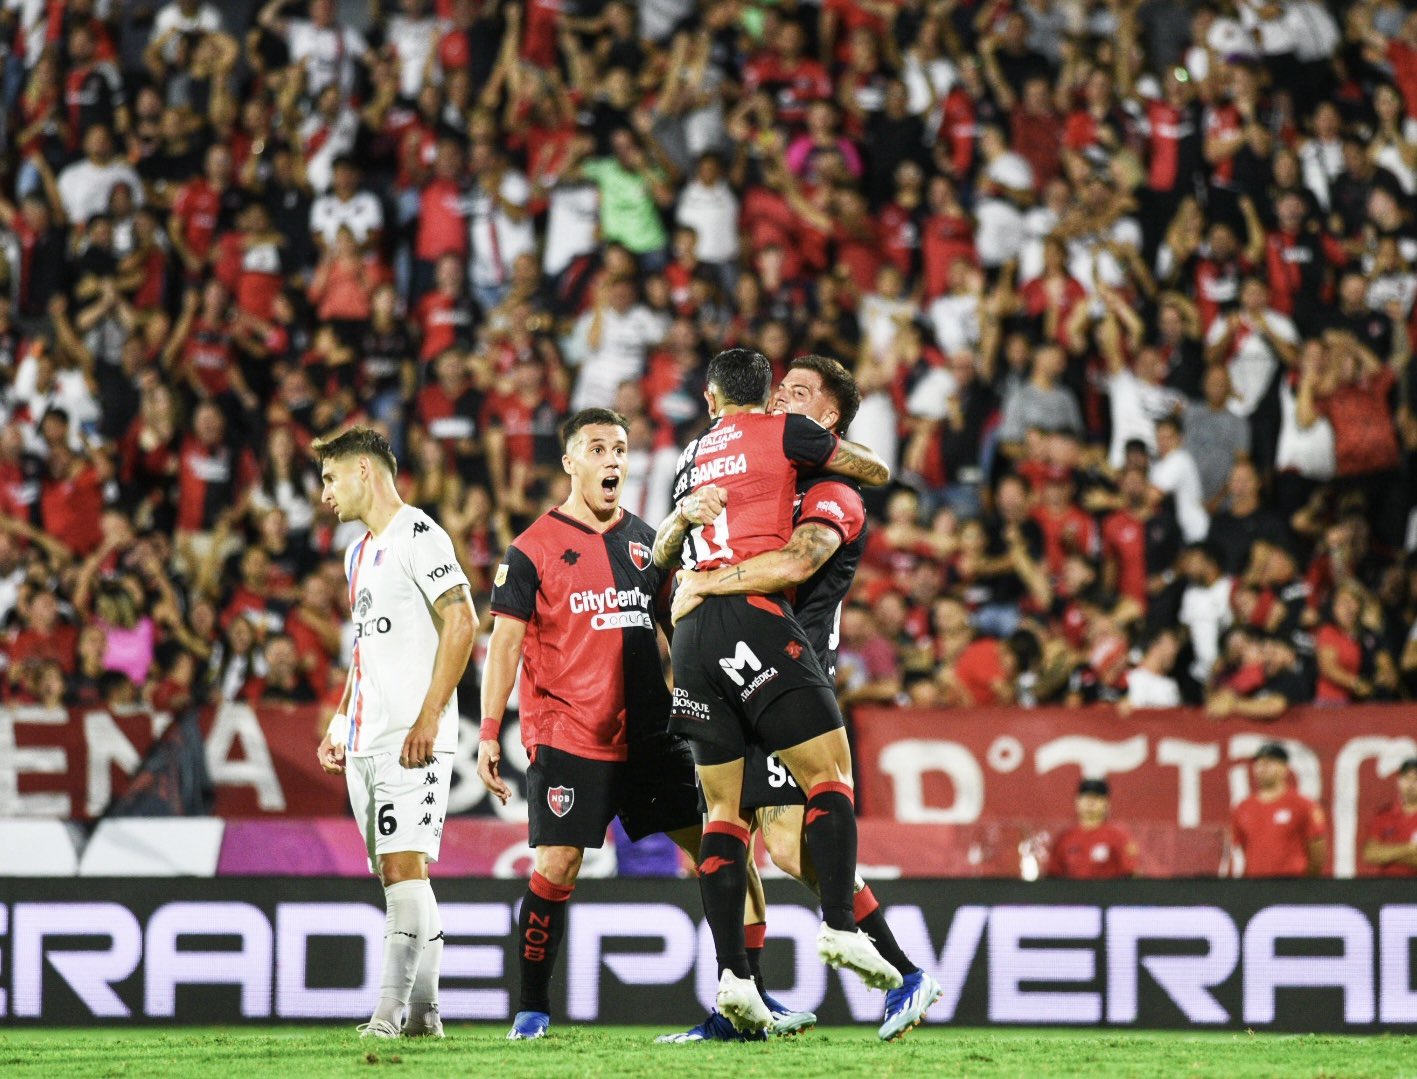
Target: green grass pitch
[(571, 1052)]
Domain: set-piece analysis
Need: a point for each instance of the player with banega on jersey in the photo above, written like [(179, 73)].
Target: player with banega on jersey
[(746, 673), (817, 564)]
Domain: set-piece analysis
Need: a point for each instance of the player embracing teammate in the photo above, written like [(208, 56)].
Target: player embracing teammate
[(746, 674), (816, 566)]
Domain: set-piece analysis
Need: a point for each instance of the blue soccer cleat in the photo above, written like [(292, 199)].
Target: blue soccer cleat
[(715, 1028), (786, 1022), (528, 1025), (906, 1006)]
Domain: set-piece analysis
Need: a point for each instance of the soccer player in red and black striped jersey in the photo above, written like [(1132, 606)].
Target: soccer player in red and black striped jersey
[(818, 564), (745, 673), (575, 604)]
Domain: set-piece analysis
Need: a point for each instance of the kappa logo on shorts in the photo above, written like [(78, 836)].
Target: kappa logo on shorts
[(793, 649), (560, 800), (640, 555)]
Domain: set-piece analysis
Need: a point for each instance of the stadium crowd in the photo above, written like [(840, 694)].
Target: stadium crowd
[(1127, 287)]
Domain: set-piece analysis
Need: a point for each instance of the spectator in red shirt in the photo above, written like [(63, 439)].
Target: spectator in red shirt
[(988, 670), (1352, 392), (1037, 132), (1390, 844), (283, 682), (44, 636), (1094, 848), (1339, 648), (1064, 525), (71, 500), (1279, 832)]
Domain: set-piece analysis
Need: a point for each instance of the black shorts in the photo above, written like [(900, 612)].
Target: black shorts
[(734, 658), (767, 782), (572, 799)]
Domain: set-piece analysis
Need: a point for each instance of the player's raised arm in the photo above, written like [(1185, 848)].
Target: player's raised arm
[(697, 508), (499, 674), (812, 543), (457, 630)]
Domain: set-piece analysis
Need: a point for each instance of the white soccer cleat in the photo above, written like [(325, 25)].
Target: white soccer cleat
[(854, 950), (378, 1028), (741, 1004), (428, 1025)]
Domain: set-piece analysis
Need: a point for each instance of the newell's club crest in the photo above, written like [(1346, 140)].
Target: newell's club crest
[(793, 649), (362, 602), (640, 555), (560, 799)]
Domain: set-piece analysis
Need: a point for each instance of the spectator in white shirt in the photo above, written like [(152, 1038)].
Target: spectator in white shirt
[(328, 49), (1175, 473), (617, 334), (85, 186), (955, 316), (1138, 400), (184, 17), (1205, 606), (499, 224), (1149, 683), (708, 206), (346, 206), (413, 34), (1005, 185), (1252, 341)]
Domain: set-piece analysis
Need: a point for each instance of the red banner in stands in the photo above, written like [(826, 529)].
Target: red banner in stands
[(1006, 776)]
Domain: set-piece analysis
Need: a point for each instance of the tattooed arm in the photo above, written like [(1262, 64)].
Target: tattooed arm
[(698, 508), (766, 574), (457, 629), (856, 461)]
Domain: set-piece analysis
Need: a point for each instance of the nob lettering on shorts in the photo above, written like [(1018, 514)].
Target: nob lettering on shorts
[(560, 799), (743, 656), (590, 601), (442, 571)]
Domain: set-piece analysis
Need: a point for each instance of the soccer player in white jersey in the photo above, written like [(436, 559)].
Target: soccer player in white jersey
[(397, 726)]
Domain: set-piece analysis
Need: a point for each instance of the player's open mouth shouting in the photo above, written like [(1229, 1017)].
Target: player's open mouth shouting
[(610, 485)]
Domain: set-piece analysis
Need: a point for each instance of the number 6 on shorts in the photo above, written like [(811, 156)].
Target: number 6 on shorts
[(387, 823)]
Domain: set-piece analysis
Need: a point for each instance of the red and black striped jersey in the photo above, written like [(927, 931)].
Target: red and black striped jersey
[(756, 459), (592, 679)]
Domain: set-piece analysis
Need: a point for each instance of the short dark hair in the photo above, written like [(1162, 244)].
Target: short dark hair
[(1274, 751), (836, 381), (1024, 646), (589, 417), (1174, 422), (743, 376), (355, 442)]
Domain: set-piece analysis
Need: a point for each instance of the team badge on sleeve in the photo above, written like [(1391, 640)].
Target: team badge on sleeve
[(640, 555), (501, 577), (560, 799)]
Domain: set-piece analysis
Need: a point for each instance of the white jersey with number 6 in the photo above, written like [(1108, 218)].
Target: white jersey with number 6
[(394, 579)]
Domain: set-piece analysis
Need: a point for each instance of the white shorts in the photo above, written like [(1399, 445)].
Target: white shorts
[(397, 808)]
